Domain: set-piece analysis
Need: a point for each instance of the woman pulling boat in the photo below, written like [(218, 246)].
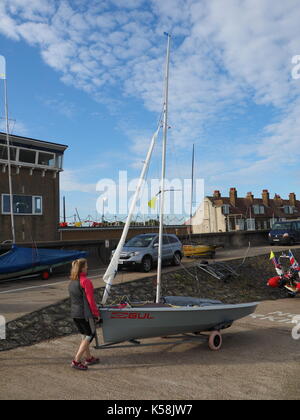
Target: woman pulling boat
[(83, 311)]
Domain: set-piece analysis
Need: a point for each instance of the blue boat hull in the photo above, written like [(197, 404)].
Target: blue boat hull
[(21, 261)]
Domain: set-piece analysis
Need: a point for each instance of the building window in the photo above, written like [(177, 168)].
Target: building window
[(27, 156), (37, 204), (258, 209), (225, 209), (250, 223), (22, 204), (32, 157), (46, 159), (240, 224), (3, 153), (288, 209)]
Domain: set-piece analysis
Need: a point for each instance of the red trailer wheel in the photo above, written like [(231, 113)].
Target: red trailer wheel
[(215, 341), (45, 275)]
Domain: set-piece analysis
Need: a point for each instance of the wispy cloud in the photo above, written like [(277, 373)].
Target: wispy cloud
[(15, 127), (72, 180), (61, 105)]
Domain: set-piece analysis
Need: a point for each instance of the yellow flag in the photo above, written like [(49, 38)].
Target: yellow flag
[(2, 67), (152, 203), (272, 255)]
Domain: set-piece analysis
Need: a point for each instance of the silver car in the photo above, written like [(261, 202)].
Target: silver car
[(142, 251)]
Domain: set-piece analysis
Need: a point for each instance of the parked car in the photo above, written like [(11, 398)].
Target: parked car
[(142, 251), (285, 232)]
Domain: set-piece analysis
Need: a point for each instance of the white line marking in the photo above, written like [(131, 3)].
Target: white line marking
[(41, 286)]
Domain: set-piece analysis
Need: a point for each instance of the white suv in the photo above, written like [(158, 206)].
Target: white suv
[(142, 251)]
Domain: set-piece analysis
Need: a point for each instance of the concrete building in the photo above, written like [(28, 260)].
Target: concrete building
[(224, 214), (36, 166)]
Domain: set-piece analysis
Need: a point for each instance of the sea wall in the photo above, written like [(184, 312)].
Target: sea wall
[(248, 285), (99, 250)]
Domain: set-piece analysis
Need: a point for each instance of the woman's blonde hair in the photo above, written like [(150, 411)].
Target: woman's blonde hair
[(77, 267)]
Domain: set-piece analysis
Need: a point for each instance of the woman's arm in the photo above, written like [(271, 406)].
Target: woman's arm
[(87, 285)]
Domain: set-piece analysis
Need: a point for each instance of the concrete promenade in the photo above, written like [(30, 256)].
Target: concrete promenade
[(259, 358)]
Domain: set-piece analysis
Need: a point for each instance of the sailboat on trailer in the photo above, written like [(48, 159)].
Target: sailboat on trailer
[(172, 314), (21, 261)]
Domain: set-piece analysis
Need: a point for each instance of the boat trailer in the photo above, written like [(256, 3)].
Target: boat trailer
[(218, 270)]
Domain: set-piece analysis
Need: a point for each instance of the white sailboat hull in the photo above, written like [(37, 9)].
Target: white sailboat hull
[(146, 322)]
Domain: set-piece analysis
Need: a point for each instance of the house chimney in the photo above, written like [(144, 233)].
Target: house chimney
[(250, 197), (292, 199), (232, 196), (277, 200), (266, 198), (217, 194)]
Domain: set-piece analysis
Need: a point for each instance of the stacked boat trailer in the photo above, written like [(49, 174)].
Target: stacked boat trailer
[(218, 270)]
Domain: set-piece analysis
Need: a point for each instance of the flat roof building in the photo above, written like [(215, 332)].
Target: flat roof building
[(35, 169)]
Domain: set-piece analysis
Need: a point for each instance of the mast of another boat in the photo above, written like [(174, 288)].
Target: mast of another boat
[(3, 76), (192, 191), (163, 173)]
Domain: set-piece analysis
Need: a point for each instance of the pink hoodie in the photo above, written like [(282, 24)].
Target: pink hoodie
[(88, 287)]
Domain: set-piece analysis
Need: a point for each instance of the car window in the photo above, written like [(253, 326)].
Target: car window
[(282, 226), (140, 241), (174, 240), (166, 240)]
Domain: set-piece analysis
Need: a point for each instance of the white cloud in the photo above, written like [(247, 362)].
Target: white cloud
[(224, 58), (70, 180), (15, 127)]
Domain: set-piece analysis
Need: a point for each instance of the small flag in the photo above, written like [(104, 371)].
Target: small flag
[(152, 203), (2, 67), (277, 265), (293, 262)]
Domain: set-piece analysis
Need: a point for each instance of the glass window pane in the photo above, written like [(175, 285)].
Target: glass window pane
[(5, 204), (27, 156), (37, 205), (59, 160), (22, 204), (46, 159), (3, 153)]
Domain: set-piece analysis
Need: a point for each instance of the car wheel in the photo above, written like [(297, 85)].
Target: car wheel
[(146, 264), (176, 259)]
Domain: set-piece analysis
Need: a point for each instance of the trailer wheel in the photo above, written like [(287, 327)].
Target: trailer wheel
[(45, 275), (215, 341)]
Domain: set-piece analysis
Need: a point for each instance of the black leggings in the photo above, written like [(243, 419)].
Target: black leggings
[(85, 328)]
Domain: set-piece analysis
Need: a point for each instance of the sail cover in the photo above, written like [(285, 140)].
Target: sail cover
[(19, 259)]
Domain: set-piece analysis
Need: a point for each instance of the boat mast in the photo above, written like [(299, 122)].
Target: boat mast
[(192, 190), (163, 173), (112, 269), (3, 76)]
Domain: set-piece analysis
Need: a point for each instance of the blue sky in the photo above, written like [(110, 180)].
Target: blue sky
[(89, 74)]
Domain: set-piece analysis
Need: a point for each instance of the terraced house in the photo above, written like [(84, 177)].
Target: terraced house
[(223, 214), (35, 168)]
